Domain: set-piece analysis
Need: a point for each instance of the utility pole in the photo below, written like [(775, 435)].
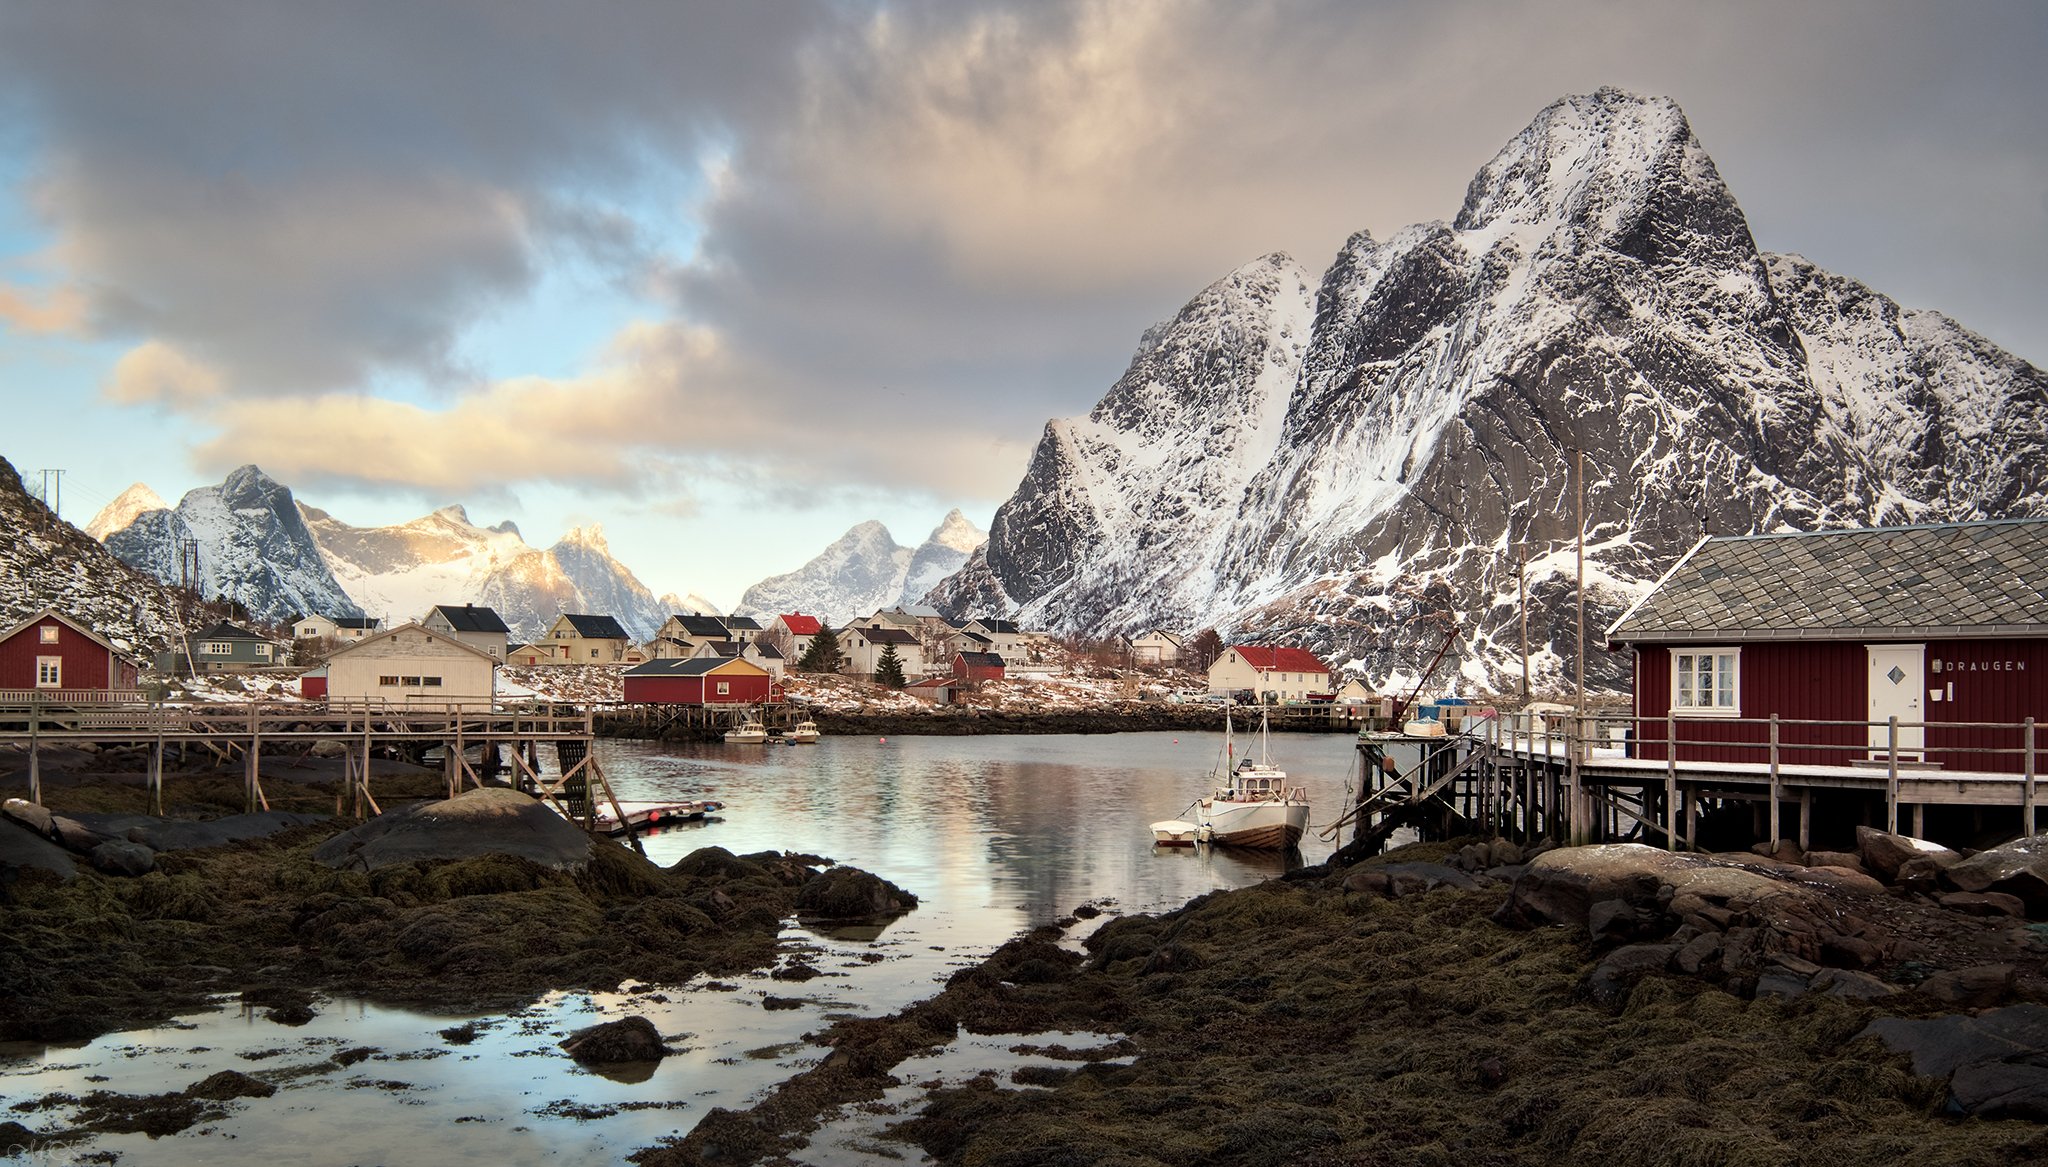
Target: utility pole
[(1522, 605), (54, 499), (1579, 520)]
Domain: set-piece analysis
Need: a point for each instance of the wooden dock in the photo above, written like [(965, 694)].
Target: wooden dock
[(245, 731), (1587, 781)]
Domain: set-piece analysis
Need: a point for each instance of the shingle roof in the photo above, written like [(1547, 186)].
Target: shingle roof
[(694, 667), (596, 627), (470, 618), (705, 627), (1280, 660), (1954, 579)]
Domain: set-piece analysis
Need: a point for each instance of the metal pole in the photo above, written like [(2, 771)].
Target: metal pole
[(1579, 665), (1891, 782), (1522, 604), (2027, 795), (1776, 834), (1670, 781)]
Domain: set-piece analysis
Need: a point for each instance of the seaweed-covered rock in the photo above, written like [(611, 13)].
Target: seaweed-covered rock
[(189, 835), (475, 822), (1993, 1060), (1561, 886), (229, 1085), (848, 893), (716, 863), (118, 857), (629, 1039)]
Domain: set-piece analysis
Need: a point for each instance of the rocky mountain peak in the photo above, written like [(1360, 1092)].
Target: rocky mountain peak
[(135, 501)]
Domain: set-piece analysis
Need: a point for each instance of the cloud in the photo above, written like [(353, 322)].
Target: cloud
[(154, 373), (43, 312)]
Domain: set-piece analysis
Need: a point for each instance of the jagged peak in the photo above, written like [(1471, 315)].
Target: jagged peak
[(1583, 154), (453, 513), (591, 537), (129, 505), (958, 532)]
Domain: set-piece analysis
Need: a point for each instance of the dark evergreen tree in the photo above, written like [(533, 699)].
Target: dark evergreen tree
[(823, 656), (889, 668)]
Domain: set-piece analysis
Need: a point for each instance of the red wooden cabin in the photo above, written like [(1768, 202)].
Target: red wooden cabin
[(52, 655), (700, 681), (1941, 627), (977, 666)]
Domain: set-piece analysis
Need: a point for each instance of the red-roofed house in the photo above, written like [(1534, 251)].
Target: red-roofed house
[(792, 635), (1271, 673)]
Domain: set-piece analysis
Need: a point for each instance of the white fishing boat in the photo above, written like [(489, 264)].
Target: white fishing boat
[(747, 733), (1176, 833), (804, 732), (1252, 805)]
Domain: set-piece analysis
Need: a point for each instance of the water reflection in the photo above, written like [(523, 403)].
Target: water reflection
[(994, 834)]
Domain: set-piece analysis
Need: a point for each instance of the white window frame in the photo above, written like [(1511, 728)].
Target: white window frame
[(49, 672), (216, 648), (49, 633), (1725, 680)]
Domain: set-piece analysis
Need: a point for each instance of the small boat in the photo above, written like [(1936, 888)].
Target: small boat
[(1252, 805), (1423, 727), (748, 733), (643, 815), (1176, 833), (804, 732)]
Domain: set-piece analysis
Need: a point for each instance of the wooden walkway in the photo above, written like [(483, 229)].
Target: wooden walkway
[(1515, 777), (228, 732)]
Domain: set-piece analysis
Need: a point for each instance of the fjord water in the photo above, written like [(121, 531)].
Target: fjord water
[(995, 835)]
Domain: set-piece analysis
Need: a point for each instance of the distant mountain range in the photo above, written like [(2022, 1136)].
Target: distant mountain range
[(1356, 464), (865, 570), (255, 544)]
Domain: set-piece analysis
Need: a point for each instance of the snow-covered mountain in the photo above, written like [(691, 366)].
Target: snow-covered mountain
[(132, 503), (1356, 464), (864, 570), (250, 546), (48, 563), (400, 571)]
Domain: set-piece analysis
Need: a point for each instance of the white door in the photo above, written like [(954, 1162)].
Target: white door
[(1898, 685)]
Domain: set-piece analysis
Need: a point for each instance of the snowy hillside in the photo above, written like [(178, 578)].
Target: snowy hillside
[(1356, 465), (864, 570), (251, 547), (48, 563)]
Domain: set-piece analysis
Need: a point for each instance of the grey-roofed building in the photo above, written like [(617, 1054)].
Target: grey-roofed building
[(1935, 626), (223, 648), (590, 640), (472, 625)]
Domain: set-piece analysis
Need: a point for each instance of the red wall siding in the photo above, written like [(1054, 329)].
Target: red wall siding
[(747, 689), (1826, 681), (86, 665), (1992, 680), (313, 688)]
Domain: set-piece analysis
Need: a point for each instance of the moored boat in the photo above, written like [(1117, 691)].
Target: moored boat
[(1252, 805), (1176, 833), (749, 733), (804, 732)]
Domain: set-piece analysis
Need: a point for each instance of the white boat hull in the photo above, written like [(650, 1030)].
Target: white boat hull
[(1267, 826), (745, 737), (1176, 833)]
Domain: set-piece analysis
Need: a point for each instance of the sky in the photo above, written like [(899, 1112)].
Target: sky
[(731, 278)]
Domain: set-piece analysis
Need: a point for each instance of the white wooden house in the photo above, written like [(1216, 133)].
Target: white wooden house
[(409, 665)]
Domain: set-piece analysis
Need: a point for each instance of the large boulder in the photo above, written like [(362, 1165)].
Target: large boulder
[(22, 849), (629, 1039), (1561, 886), (848, 893), (1993, 1061), (2018, 868), (33, 815), (475, 822), (1884, 853), (120, 857)]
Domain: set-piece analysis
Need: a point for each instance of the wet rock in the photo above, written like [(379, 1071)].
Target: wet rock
[(1847, 952), (848, 893), (23, 849), (327, 749), (80, 836), (1506, 853), (1619, 971), (1922, 873), (1783, 984), (1846, 859), (33, 815), (1884, 854), (2018, 868), (716, 863), (1561, 886), (229, 1085), (1405, 879), (629, 1039), (1983, 903), (123, 858), (1993, 1060), (1373, 882), (1859, 986), (1697, 953), (1844, 878), (476, 822), (1612, 920), (1783, 851), (1977, 987)]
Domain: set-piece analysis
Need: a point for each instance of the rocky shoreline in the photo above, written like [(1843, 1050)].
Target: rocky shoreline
[(1471, 1005)]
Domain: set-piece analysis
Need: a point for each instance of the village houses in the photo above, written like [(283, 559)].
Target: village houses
[(480, 628), (1271, 674), (50, 654), (411, 665), (590, 640)]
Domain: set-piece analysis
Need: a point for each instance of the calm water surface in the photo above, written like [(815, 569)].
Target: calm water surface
[(995, 835)]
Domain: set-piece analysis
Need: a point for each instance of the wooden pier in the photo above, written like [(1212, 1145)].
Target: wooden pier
[(1588, 780), (245, 731)]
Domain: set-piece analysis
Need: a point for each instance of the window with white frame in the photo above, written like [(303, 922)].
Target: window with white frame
[(49, 633), (1706, 682), (49, 672), (216, 648)]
